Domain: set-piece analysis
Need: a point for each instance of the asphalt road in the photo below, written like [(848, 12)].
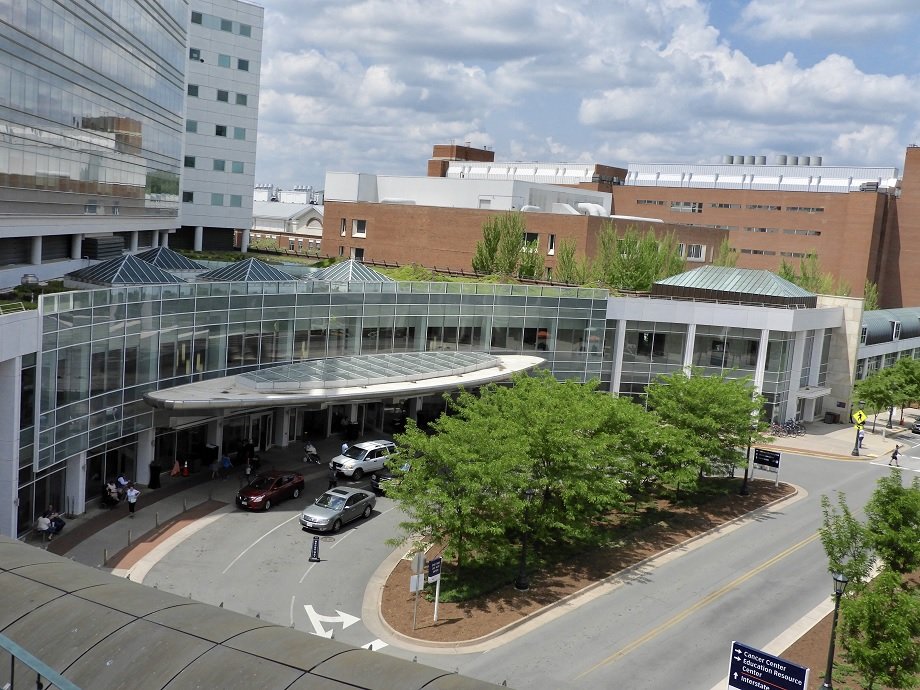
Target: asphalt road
[(669, 627)]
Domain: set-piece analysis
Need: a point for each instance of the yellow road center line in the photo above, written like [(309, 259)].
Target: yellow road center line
[(702, 603)]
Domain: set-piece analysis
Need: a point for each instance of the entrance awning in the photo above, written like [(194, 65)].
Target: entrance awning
[(337, 380), (812, 392)]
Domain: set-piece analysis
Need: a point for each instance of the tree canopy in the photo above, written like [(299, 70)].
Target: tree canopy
[(503, 250)]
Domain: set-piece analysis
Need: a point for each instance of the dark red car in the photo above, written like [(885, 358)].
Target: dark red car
[(269, 488)]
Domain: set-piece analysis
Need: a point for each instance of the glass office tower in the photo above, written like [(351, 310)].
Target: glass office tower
[(91, 105)]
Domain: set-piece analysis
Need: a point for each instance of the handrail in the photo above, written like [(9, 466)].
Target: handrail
[(40, 667)]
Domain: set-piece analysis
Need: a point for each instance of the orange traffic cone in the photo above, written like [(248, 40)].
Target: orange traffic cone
[(185, 469)]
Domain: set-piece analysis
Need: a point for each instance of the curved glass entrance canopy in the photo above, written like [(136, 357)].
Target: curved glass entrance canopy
[(345, 379)]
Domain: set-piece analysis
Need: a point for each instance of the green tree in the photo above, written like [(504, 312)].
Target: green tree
[(568, 268), (846, 542), (893, 522), (718, 417), (870, 296), (726, 256), (531, 263), (810, 277), (469, 480), (502, 250), (880, 631), (487, 247), (633, 261), (876, 391)]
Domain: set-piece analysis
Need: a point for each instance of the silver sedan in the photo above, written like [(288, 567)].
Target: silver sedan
[(337, 507)]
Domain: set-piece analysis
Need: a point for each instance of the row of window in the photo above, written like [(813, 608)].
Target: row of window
[(236, 200), (791, 231), (769, 252), (218, 164), (697, 206), (219, 130), (211, 22), (222, 95), (222, 60)]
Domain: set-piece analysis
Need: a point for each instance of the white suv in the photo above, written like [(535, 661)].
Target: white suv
[(364, 458)]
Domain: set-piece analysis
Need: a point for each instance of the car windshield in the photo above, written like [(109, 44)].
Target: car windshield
[(330, 501), (261, 483), (355, 453)]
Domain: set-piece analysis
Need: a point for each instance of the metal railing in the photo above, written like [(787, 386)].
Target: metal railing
[(42, 670)]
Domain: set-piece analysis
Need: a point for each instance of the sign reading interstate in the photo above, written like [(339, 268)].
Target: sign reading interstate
[(753, 669)]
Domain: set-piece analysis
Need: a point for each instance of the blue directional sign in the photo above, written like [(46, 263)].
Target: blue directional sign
[(434, 569), (753, 669)]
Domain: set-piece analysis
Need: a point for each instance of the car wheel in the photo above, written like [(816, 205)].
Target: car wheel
[(337, 525), (367, 513), (296, 493), (358, 474), (268, 505)]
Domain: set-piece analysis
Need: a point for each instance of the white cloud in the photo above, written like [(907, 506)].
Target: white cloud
[(371, 85), (803, 19)]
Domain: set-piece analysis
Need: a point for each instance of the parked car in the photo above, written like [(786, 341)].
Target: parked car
[(916, 428), (337, 507), (381, 478), (268, 489), (364, 458)]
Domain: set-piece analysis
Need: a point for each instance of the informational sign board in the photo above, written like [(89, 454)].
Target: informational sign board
[(767, 460), (314, 551), (753, 669), (434, 569), (418, 563)]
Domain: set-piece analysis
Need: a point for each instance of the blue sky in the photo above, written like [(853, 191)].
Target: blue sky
[(371, 85)]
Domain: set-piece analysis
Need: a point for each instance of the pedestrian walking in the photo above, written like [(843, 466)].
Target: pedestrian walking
[(344, 448), (895, 454), (132, 493), (225, 466), (861, 435), (333, 478)]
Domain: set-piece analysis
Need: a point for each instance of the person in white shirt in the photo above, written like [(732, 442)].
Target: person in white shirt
[(132, 493), (43, 525)]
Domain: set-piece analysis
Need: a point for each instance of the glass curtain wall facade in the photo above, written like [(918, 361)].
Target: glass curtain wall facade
[(103, 349), (650, 349), (91, 97), (777, 373)]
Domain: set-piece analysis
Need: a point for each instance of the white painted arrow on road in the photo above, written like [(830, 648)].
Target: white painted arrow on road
[(376, 645), (317, 620)]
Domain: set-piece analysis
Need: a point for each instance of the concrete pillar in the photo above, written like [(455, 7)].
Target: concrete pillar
[(414, 404), (9, 446), (164, 240), (74, 485), (761, 367), (328, 431), (36, 256), (689, 347), (244, 242), (199, 238), (76, 246), (795, 375), (282, 416), (146, 442), (155, 240), (815, 363), (618, 345), (132, 242), (215, 435)]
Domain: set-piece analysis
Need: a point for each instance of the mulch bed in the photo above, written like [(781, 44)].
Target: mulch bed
[(475, 618)]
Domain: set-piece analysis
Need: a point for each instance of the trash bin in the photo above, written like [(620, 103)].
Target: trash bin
[(154, 482), (831, 417)]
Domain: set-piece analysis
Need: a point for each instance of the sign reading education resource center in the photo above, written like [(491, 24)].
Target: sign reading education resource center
[(752, 669)]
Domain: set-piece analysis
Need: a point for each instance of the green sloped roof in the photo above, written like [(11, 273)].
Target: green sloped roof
[(250, 270), (745, 281), (168, 260), (124, 270), (351, 271)]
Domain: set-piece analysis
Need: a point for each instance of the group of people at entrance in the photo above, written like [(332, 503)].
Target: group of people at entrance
[(50, 523), (118, 490)]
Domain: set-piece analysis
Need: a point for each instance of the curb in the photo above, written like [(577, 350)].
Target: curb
[(372, 604)]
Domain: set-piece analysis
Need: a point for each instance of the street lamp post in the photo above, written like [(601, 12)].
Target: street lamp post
[(522, 582), (743, 491), (840, 584), (855, 451)]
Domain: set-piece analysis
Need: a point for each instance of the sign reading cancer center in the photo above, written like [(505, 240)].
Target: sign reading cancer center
[(752, 669)]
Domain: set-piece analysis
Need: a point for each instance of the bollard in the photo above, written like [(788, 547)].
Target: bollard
[(184, 505), (129, 537), (105, 556), (156, 517), (209, 494)]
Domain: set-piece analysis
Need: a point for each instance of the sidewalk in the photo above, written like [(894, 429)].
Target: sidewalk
[(837, 440)]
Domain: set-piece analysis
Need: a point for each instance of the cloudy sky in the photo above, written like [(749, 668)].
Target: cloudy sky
[(371, 85)]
